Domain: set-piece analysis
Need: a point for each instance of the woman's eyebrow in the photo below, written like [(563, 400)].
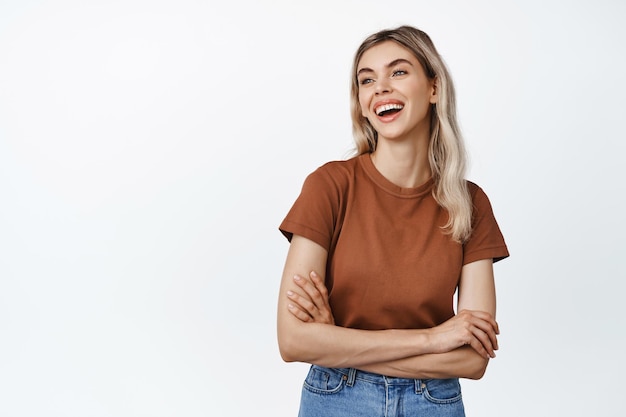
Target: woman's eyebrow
[(389, 65), (399, 61), (362, 70)]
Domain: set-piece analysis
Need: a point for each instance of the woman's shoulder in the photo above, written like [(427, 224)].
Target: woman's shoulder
[(480, 200), (474, 190), (333, 178), (339, 166), (337, 170)]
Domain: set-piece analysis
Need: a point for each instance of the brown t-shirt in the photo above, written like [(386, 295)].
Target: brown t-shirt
[(390, 266)]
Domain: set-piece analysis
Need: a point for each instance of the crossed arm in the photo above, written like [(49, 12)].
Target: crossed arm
[(460, 347)]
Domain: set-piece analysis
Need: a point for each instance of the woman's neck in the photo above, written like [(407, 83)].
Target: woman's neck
[(403, 163)]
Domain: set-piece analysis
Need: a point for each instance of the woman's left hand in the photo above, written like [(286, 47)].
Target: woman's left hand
[(313, 307)]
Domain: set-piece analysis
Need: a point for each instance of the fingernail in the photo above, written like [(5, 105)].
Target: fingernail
[(290, 306), (297, 278), (289, 293)]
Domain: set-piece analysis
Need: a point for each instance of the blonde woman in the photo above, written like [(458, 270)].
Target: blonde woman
[(381, 242)]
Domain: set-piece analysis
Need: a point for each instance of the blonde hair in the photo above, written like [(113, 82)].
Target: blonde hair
[(446, 151)]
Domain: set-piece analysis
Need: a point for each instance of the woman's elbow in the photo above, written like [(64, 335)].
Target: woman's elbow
[(299, 344), (289, 348), (286, 353), (477, 369)]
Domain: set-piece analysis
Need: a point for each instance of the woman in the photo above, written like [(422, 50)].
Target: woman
[(381, 242)]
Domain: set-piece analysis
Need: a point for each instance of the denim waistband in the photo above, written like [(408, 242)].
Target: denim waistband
[(351, 375)]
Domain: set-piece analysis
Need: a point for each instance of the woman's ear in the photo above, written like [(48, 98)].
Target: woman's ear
[(434, 95)]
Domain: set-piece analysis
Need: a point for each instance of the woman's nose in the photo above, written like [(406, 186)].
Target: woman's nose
[(383, 86)]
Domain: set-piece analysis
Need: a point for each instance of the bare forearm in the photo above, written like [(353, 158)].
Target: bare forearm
[(463, 362), (338, 347)]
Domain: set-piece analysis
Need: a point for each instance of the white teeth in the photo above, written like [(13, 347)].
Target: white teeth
[(386, 107)]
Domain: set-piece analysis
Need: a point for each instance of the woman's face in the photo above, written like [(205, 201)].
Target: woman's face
[(394, 93)]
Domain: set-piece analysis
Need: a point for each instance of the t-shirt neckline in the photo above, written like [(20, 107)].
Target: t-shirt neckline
[(379, 179)]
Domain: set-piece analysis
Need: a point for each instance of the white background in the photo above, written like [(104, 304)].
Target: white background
[(149, 150)]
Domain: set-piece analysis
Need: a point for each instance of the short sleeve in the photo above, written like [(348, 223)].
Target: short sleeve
[(486, 240), (314, 213)]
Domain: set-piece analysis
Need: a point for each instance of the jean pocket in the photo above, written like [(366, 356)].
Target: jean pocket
[(443, 391), (324, 380)]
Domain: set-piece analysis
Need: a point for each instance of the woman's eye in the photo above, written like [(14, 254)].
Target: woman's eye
[(365, 81), (399, 72)]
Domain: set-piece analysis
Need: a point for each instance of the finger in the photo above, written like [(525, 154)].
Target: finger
[(318, 315), (299, 314), (311, 290), (478, 347), (321, 287), (485, 341), (304, 283), (475, 343), (324, 308), (483, 315), (319, 284), (307, 286), (488, 330), (479, 332), (484, 321), (303, 303), (301, 281)]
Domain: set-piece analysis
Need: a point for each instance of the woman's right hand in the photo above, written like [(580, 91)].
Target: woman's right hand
[(469, 327), (314, 307)]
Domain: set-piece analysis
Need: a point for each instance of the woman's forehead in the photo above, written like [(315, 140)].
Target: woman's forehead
[(384, 53)]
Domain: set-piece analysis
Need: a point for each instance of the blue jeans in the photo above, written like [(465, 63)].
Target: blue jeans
[(351, 393)]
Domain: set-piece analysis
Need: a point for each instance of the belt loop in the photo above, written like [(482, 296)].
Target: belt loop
[(351, 377), (419, 386)]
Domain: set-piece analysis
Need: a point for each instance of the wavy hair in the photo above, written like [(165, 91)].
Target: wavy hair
[(446, 151)]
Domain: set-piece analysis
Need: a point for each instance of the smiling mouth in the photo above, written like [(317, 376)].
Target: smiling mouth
[(388, 109)]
